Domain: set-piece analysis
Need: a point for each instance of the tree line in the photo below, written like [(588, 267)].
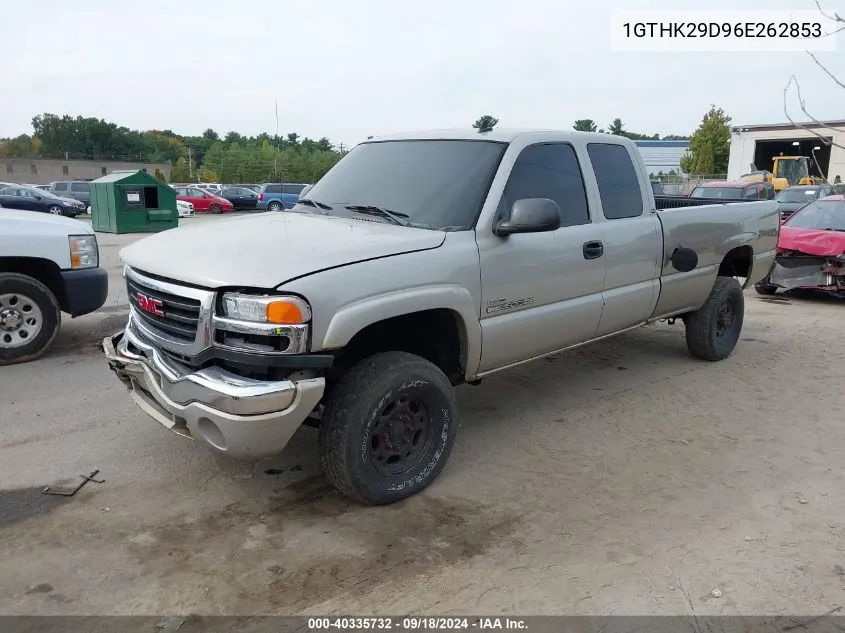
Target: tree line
[(208, 157)]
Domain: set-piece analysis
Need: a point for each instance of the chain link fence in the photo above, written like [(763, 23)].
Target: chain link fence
[(682, 185)]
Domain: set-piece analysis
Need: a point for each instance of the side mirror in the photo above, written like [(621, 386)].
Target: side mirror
[(530, 215), (684, 259)]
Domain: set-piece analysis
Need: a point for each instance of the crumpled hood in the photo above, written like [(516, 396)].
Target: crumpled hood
[(268, 249), (812, 241)]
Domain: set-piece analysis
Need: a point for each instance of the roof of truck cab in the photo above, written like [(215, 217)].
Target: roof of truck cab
[(501, 135)]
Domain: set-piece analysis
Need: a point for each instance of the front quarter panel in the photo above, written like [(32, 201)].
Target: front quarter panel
[(347, 299)]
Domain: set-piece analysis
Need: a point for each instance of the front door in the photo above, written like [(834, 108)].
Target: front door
[(541, 291)]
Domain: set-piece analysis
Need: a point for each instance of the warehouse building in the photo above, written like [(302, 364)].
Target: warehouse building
[(662, 156), (42, 171), (754, 146)]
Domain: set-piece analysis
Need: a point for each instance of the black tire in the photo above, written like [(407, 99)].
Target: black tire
[(713, 330), (275, 206), (50, 317), (352, 450), (216, 208)]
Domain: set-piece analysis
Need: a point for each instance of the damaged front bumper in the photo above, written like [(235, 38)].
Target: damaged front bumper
[(238, 416), (793, 271)]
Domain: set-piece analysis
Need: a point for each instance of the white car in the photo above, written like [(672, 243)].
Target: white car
[(184, 208), (50, 265)]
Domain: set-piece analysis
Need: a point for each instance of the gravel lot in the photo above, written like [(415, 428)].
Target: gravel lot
[(624, 478)]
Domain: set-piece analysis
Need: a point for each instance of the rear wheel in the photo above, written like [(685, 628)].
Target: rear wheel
[(29, 318), (713, 330), (275, 206), (216, 208), (388, 428)]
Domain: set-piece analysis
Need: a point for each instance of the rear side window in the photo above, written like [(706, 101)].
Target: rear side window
[(273, 189), (294, 189), (60, 186), (79, 187), (550, 171), (616, 177)]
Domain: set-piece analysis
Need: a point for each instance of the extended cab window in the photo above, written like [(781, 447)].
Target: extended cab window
[(616, 177), (550, 171)]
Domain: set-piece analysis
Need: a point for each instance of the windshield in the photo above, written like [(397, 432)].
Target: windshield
[(821, 214), (437, 184), (792, 170), (41, 192), (728, 193), (797, 195)]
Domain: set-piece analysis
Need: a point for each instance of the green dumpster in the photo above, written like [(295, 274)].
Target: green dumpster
[(132, 202)]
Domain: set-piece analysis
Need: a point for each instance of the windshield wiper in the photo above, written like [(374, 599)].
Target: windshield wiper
[(393, 216), (313, 203)]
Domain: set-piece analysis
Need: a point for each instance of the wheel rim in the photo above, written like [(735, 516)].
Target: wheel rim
[(55, 210), (398, 439), (725, 319), (275, 206), (20, 320)]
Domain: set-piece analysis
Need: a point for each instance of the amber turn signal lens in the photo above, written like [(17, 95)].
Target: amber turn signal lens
[(284, 313)]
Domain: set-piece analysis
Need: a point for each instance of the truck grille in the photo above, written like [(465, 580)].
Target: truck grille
[(180, 314)]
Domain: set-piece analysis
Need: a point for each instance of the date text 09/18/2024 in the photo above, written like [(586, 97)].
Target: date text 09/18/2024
[(419, 623)]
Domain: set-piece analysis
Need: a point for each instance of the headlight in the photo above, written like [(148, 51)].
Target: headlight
[(278, 310), (83, 251)]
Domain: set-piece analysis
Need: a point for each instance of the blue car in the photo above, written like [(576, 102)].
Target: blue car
[(274, 196)]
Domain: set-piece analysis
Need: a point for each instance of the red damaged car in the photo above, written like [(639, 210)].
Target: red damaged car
[(811, 250)]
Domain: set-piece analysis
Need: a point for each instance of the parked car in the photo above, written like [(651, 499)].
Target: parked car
[(811, 250), (48, 265), (278, 196), (793, 198), (240, 197), (43, 187), (203, 201), (184, 208), (209, 186), (30, 199), (733, 190), (76, 189), (372, 298)]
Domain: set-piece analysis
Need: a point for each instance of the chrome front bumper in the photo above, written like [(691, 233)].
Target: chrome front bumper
[(241, 417)]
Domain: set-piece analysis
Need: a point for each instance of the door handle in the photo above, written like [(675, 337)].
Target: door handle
[(593, 250)]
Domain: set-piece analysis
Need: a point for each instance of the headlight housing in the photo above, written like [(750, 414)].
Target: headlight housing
[(83, 251), (278, 310)]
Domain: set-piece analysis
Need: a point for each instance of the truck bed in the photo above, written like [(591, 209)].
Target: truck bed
[(677, 202)]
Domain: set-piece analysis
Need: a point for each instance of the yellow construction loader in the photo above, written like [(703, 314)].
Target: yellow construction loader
[(786, 172)]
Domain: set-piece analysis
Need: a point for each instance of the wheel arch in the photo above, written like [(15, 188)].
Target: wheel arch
[(43, 270)]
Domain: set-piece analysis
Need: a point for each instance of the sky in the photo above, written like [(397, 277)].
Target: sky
[(349, 69)]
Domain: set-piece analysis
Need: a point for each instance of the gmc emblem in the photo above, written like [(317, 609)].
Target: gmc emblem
[(148, 304)]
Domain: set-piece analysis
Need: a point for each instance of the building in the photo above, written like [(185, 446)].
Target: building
[(662, 156), (41, 171), (754, 146)]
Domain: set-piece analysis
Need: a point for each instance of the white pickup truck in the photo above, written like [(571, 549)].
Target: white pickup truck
[(418, 263), (48, 265)]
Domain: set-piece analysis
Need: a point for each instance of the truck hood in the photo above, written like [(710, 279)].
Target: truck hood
[(812, 241), (39, 223), (266, 250)]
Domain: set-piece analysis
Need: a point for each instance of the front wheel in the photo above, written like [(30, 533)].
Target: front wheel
[(216, 208), (388, 428), (29, 318), (54, 210), (713, 330)]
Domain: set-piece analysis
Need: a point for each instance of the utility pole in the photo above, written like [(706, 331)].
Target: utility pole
[(190, 166)]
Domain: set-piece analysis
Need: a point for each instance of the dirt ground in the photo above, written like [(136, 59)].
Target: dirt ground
[(624, 478)]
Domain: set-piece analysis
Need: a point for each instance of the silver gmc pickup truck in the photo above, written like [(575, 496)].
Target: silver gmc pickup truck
[(418, 263)]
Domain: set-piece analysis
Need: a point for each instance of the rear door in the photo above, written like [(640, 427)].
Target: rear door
[(11, 198), (541, 291), (632, 239), (199, 198)]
